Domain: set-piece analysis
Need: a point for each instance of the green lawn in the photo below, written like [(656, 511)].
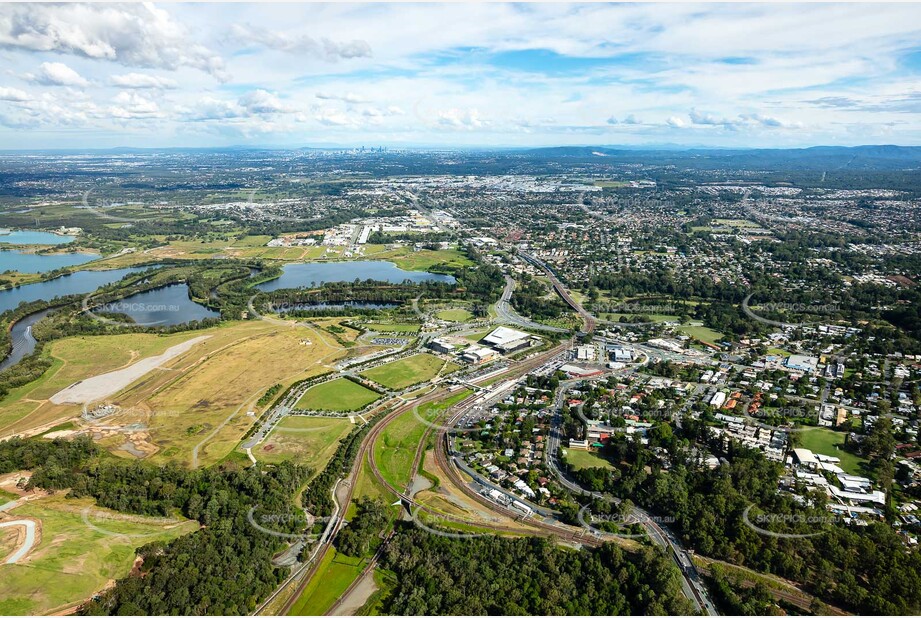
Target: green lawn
[(825, 442), (586, 459), (454, 315), (476, 336), (74, 560), (408, 371), (308, 440), (335, 575), (6, 496), (777, 352), (339, 395), (702, 333), (426, 259)]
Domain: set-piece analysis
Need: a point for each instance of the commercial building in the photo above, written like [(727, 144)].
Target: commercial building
[(442, 346), (508, 340), (476, 355), (800, 362)]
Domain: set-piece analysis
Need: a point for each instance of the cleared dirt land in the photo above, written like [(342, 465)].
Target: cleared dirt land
[(107, 384), (308, 440)]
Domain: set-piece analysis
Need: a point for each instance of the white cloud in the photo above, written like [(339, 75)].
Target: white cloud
[(460, 118), (301, 43), (209, 108), (336, 118), (263, 102), (131, 105), (139, 35), (13, 94), (58, 74), (348, 97), (675, 122), (142, 80), (747, 120)]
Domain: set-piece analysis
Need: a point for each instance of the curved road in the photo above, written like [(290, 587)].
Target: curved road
[(589, 320), (27, 544)]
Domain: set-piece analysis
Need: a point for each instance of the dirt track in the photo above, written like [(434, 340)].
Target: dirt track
[(107, 384)]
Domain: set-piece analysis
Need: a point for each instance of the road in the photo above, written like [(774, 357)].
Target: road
[(589, 320), (508, 314), (691, 583), (27, 544)]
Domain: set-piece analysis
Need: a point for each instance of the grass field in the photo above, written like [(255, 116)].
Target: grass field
[(702, 333), (335, 574), (6, 496), (307, 440), (73, 560), (585, 459), (476, 336), (454, 315), (339, 395), (198, 398), (825, 442), (408, 371), (407, 259), (396, 448)]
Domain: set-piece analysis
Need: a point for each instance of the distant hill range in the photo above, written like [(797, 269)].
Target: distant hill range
[(827, 158)]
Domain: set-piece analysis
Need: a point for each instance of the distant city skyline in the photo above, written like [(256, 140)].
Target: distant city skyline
[(483, 75)]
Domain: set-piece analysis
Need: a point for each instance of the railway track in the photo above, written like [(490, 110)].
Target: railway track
[(305, 574)]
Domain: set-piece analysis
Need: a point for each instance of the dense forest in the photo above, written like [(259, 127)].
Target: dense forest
[(498, 576), (223, 568), (867, 570)]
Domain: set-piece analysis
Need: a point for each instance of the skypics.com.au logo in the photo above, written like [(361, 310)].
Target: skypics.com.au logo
[(785, 308), (626, 526)]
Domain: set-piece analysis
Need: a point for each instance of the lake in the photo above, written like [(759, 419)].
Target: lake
[(166, 306), (314, 274), (23, 341), (41, 262), (81, 282), (33, 237)]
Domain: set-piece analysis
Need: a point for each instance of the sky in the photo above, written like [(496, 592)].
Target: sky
[(459, 75)]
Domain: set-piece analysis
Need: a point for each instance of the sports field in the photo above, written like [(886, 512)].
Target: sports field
[(307, 440), (73, 558), (826, 442), (454, 315), (702, 333), (339, 395), (586, 459), (408, 371)]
